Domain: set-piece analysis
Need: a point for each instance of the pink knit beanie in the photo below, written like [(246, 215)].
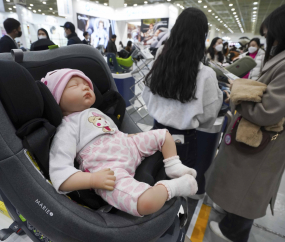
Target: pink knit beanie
[(57, 80)]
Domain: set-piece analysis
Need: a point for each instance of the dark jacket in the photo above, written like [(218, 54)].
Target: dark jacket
[(73, 39), (41, 44), (245, 184), (86, 42), (111, 47), (7, 44)]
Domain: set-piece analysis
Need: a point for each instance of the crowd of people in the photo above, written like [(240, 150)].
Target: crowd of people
[(13, 30), (182, 94)]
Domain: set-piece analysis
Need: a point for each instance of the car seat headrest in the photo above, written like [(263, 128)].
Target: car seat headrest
[(52, 111), (19, 93)]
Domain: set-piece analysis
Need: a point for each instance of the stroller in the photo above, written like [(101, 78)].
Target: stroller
[(29, 117)]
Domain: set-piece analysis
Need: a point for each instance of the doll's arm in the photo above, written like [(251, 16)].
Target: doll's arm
[(103, 179)]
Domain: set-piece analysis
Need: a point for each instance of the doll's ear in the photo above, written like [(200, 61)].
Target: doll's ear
[(96, 115), (91, 119)]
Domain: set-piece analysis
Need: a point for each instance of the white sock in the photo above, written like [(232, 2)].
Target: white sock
[(184, 186), (174, 168)]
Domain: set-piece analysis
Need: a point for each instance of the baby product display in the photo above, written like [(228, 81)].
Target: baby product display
[(41, 212)]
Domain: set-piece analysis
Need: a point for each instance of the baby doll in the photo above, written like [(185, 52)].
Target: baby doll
[(108, 156)]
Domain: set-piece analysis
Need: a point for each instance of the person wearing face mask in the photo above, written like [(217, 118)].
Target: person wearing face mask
[(13, 29), (245, 182), (86, 38), (215, 51), (255, 52), (69, 33), (43, 41)]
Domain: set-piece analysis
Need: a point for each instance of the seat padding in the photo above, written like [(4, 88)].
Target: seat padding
[(14, 84)]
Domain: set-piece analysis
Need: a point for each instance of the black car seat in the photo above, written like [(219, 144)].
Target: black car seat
[(29, 118)]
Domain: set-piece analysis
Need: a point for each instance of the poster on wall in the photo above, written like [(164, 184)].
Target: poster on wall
[(154, 32), (100, 29), (134, 32)]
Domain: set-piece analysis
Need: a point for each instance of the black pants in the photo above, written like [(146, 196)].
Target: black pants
[(188, 153), (236, 228)]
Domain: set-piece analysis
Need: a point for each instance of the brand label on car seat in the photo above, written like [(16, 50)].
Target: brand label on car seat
[(43, 207)]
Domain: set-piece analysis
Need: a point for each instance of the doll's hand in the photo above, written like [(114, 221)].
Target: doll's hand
[(103, 179)]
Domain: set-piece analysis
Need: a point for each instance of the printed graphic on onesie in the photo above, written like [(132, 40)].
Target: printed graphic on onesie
[(100, 122)]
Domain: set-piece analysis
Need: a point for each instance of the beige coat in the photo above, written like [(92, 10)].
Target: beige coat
[(245, 184)]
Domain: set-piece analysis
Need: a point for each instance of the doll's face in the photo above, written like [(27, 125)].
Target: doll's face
[(77, 96)]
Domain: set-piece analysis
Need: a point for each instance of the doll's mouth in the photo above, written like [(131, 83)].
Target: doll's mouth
[(87, 94)]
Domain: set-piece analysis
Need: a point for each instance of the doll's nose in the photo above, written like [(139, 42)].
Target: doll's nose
[(85, 87)]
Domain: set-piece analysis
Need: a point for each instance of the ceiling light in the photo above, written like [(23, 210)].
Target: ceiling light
[(233, 9), (10, 8), (53, 12), (44, 3), (32, 5), (8, 1), (213, 14), (135, 5), (209, 10), (254, 15), (253, 20), (125, 5), (199, 1), (254, 12), (230, 4), (28, 8), (145, 2), (168, 0), (219, 19), (255, 3), (34, 11), (39, 10), (205, 6), (14, 6), (105, 4), (234, 13), (50, 8), (216, 17), (43, 14), (254, 8), (178, 4)]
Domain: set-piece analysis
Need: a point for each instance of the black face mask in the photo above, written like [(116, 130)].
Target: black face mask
[(19, 33)]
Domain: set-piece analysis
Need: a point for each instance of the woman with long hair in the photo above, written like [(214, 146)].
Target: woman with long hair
[(215, 51), (226, 49), (244, 180), (181, 93)]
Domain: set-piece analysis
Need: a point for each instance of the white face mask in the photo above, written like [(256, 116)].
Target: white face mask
[(65, 35), (219, 47), (42, 37), (252, 49)]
